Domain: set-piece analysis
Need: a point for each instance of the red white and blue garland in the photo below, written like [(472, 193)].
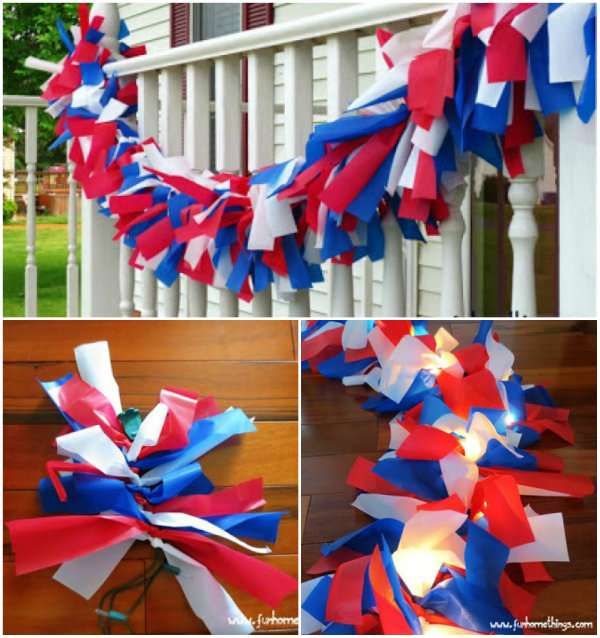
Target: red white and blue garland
[(446, 496), (478, 83), (127, 479)]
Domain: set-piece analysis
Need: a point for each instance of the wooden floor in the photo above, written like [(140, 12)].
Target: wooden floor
[(248, 364), (561, 355)]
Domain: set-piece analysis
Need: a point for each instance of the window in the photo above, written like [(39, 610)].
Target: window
[(211, 20), (203, 21)]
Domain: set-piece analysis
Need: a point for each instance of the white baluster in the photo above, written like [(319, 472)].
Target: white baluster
[(149, 294), (228, 138), (148, 125), (72, 265), (260, 137), (31, 161), (298, 108), (300, 304), (126, 280), (342, 77), (171, 133), (523, 230), (367, 288), (393, 269), (451, 232), (197, 152)]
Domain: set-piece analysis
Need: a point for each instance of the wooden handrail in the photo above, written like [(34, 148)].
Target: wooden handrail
[(363, 16)]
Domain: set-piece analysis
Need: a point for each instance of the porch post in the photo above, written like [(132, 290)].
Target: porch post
[(99, 253), (99, 263), (577, 209)]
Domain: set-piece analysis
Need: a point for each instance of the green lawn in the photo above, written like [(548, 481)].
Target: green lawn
[(51, 256)]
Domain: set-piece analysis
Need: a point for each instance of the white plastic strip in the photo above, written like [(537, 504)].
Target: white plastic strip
[(400, 508), (87, 574), (149, 432), (568, 59), (550, 541), (180, 519), (93, 446), (95, 368)]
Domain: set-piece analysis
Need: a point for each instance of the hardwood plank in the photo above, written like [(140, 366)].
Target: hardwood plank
[(271, 452), (294, 326), (161, 340), (570, 599), (327, 474), (168, 612), (311, 552), (469, 327), (331, 516), (305, 508), (36, 604), (265, 390)]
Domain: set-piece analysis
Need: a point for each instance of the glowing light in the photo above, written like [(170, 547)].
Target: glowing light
[(472, 446), (435, 363), (510, 419), (418, 568)]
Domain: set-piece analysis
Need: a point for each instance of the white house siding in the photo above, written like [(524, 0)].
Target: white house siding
[(149, 24)]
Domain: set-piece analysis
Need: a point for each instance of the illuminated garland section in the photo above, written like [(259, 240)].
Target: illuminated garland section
[(477, 83), (446, 496)]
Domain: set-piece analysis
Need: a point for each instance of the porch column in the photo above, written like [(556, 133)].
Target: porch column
[(99, 263), (577, 222), (523, 230)]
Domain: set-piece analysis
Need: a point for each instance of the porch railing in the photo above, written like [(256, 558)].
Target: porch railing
[(31, 105), (165, 115)]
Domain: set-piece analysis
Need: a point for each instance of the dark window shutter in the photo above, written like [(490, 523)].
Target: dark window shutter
[(180, 34), (254, 14), (180, 23)]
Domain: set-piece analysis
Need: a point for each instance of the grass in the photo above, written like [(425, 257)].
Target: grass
[(51, 257)]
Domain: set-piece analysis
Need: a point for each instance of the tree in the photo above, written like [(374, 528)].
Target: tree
[(30, 29)]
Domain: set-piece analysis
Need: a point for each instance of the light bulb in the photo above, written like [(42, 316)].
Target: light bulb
[(509, 419), (472, 446), (418, 568)]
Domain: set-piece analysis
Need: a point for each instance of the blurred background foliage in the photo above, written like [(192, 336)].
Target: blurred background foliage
[(30, 29)]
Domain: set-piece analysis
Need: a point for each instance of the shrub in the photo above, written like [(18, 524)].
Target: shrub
[(9, 209)]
